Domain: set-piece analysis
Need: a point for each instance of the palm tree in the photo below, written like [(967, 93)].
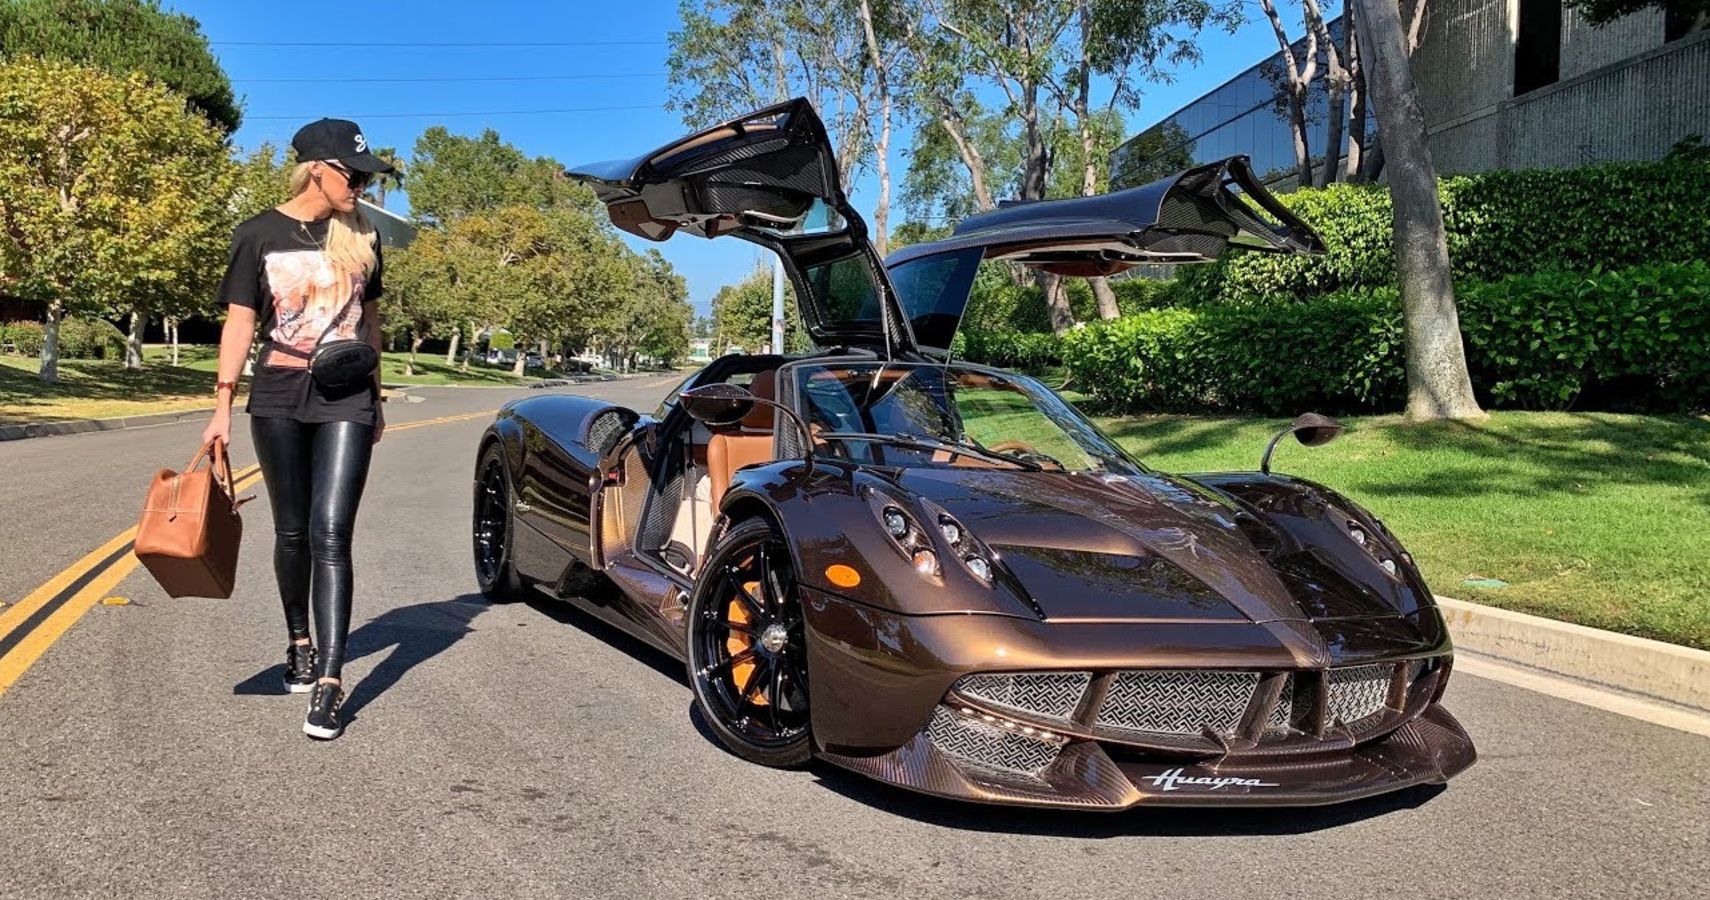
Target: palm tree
[(383, 183)]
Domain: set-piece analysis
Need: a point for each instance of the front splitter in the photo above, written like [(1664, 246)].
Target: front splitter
[(1430, 749)]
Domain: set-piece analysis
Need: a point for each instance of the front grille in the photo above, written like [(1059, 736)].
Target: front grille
[(1178, 702), (977, 743), (1201, 708), (1051, 695), (1359, 692)]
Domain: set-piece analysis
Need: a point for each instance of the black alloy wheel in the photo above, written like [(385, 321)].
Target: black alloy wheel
[(747, 649), (492, 528)]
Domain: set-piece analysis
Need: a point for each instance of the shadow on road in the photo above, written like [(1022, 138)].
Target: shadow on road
[(416, 633), (1154, 821)]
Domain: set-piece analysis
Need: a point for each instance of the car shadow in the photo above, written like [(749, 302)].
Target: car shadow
[(564, 613), (1137, 822), (416, 634)]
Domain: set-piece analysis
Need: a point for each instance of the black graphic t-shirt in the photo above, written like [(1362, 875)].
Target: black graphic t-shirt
[(278, 269)]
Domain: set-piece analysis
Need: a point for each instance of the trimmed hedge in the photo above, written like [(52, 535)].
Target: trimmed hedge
[(1637, 338), (1498, 223), (997, 304)]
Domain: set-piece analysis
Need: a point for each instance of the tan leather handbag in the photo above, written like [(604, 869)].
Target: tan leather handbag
[(190, 530)]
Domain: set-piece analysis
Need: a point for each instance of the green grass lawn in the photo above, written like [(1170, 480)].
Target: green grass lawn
[(101, 389), (98, 389), (1595, 518)]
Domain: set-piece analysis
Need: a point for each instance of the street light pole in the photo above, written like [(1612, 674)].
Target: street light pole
[(777, 304)]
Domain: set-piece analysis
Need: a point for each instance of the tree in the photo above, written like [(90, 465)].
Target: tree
[(1365, 160), (123, 36), (1438, 385), (652, 317), (1337, 80), (391, 180), (113, 198), (742, 315), (453, 175), (1602, 12), (1294, 79), (546, 275)]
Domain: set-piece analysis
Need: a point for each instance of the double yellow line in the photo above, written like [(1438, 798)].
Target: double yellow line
[(30, 626)]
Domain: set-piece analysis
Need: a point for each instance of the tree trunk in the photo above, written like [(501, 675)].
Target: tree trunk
[(517, 367), (1438, 386), (134, 340), (1302, 152), (1299, 77), (172, 337), (415, 344), (1107, 307), (1356, 106), (1056, 303), (451, 354), (49, 371), (882, 212)]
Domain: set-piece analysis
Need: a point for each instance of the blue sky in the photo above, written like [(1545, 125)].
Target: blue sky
[(604, 100)]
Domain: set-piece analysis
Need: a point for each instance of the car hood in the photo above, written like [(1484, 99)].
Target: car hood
[(1152, 547)]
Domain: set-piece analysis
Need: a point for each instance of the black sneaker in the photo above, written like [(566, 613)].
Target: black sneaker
[(299, 668), (322, 721)]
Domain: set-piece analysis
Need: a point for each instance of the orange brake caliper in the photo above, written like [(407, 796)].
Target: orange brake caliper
[(737, 642)]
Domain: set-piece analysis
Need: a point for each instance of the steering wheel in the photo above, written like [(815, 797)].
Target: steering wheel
[(1028, 452)]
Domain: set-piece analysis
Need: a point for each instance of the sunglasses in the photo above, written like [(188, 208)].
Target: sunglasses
[(356, 180)]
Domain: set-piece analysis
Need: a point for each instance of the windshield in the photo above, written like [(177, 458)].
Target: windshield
[(924, 415)]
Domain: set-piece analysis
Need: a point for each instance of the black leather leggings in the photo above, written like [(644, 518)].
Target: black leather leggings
[(315, 473)]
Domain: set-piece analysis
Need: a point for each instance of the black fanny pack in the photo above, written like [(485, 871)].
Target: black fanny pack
[(338, 365)]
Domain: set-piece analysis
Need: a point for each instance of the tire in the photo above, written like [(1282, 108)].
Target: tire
[(493, 527), (747, 656)]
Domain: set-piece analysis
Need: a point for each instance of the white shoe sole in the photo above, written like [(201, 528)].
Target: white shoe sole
[(291, 688), (325, 734)]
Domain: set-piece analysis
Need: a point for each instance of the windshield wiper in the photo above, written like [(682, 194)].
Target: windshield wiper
[(922, 442)]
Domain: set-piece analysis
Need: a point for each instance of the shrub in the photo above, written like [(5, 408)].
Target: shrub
[(1340, 352), (1637, 338), (25, 336), (90, 339), (1012, 350), (1498, 223)]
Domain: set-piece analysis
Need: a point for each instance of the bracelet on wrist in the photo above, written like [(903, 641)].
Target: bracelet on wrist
[(229, 385)]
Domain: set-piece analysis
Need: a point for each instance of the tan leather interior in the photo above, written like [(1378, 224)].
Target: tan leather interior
[(748, 443)]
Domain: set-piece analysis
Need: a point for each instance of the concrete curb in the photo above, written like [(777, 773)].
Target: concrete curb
[(85, 426), (1654, 669)]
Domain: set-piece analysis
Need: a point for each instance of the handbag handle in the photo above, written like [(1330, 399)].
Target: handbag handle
[(214, 451)]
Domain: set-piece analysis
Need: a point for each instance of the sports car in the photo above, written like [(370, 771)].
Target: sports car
[(942, 575)]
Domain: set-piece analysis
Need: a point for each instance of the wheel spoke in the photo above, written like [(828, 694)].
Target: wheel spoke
[(756, 681), (755, 606), (727, 663), (739, 628), (777, 697)]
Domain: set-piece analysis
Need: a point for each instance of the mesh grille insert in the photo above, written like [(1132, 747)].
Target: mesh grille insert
[(1183, 702), (979, 744), (1357, 692), (1052, 695)]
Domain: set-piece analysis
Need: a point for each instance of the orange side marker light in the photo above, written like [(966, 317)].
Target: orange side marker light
[(842, 576)]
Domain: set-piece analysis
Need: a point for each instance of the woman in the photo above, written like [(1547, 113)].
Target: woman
[(308, 271)]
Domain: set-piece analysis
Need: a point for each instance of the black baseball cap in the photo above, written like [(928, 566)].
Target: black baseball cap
[(338, 140)]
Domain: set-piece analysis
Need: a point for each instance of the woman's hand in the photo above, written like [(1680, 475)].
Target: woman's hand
[(220, 427), (379, 422)]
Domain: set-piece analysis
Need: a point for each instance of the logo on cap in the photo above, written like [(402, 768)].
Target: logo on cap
[(361, 143)]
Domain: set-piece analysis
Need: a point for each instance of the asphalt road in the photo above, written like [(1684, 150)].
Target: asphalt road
[(525, 751)]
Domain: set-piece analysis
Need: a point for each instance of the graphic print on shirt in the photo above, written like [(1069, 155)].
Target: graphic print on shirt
[(308, 293)]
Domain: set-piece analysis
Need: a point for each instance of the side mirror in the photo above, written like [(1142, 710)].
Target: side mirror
[(721, 405), (717, 405), (1311, 429)]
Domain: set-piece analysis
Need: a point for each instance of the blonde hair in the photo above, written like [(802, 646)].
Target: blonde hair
[(350, 236)]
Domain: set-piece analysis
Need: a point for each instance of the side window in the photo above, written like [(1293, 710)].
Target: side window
[(670, 400)]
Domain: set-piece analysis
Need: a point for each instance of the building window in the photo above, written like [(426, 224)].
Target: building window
[(1538, 46)]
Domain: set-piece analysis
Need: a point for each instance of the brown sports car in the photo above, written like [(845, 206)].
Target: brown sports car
[(942, 575)]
